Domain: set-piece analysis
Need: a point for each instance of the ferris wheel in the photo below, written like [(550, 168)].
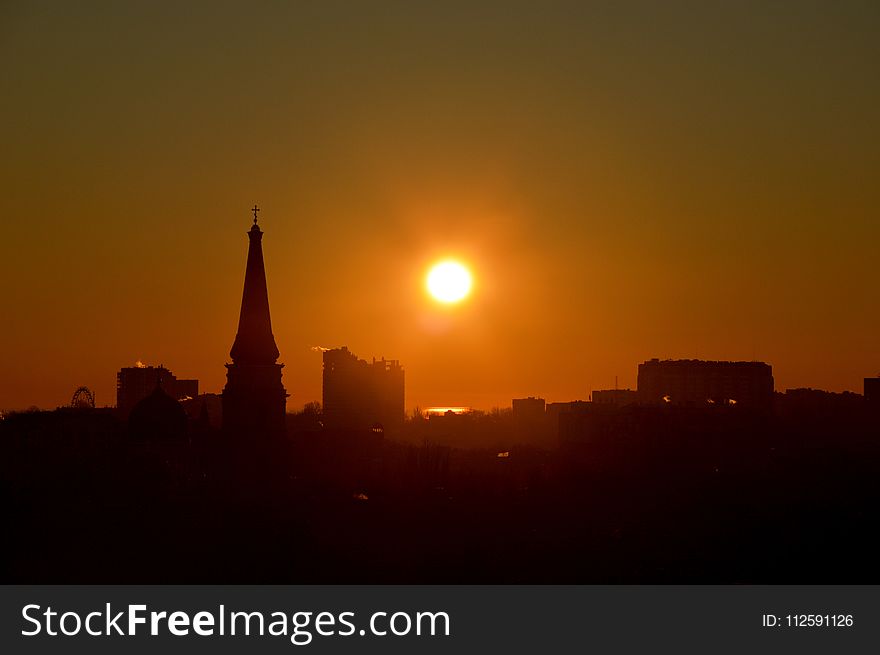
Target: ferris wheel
[(83, 398)]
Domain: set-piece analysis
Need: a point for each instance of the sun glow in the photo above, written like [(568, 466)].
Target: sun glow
[(449, 282)]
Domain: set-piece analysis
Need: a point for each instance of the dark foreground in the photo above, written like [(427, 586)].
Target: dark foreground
[(743, 501)]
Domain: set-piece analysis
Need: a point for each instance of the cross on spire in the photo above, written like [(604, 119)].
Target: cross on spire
[(255, 209)]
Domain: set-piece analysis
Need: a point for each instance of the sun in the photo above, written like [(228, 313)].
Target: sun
[(449, 282)]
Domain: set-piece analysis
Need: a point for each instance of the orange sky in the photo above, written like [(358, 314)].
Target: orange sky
[(625, 182)]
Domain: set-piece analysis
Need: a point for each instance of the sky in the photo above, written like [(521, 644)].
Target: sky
[(625, 180)]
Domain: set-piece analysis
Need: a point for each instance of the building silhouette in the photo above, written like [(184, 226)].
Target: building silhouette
[(254, 399), (208, 406), (616, 397), (555, 410), (528, 409), (811, 404), (358, 394), (530, 421), (134, 383), (695, 382), (872, 391), (159, 416)]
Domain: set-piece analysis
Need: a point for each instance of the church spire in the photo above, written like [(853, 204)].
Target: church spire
[(254, 343)]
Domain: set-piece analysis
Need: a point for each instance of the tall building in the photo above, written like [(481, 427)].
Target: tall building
[(528, 409), (531, 423), (872, 391), (695, 382), (555, 410), (359, 394), (254, 399), (134, 383)]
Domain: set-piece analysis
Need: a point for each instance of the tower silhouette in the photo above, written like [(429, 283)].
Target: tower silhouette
[(254, 399)]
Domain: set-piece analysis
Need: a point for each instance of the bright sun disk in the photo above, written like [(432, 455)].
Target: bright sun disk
[(449, 282)]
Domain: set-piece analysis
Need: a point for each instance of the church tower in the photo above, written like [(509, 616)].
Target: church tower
[(254, 399)]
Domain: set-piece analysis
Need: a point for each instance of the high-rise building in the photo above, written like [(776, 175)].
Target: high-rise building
[(359, 394), (531, 423), (134, 383), (254, 399), (699, 383), (872, 391), (528, 409), (555, 410)]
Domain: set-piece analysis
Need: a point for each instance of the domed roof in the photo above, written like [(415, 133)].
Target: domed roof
[(158, 416)]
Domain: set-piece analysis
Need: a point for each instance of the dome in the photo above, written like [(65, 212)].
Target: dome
[(158, 416)]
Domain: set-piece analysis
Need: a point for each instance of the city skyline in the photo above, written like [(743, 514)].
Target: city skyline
[(622, 257), (298, 404), (623, 182)]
